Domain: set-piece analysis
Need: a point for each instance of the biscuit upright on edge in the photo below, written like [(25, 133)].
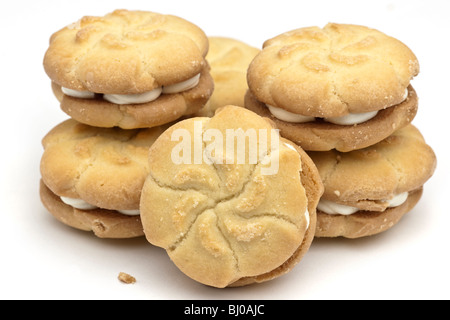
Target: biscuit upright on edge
[(225, 223)]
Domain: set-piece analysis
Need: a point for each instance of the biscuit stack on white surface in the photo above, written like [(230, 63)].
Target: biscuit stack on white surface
[(343, 93), (138, 86), (121, 78), (128, 80)]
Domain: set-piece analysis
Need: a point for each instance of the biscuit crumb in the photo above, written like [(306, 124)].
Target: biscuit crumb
[(126, 278)]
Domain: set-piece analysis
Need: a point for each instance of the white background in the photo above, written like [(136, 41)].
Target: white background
[(43, 259)]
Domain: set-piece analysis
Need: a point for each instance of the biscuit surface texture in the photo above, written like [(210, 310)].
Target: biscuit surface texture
[(363, 223), (125, 52), (103, 223), (104, 167), (229, 60), (400, 163), (332, 71), (228, 224), (366, 179)]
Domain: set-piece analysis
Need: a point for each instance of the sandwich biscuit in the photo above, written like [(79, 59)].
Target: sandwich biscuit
[(224, 222), (229, 60), (92, 177), (342, 87), (368, 191), (131, 69)]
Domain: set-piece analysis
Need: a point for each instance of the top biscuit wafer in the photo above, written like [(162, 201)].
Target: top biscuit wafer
[(125, 52), (333, 71)]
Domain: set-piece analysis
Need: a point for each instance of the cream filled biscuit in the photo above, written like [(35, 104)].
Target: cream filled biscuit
[(368, 191), (92, 177), (229, 60), (226, 222), (120, 70), (326, 86)]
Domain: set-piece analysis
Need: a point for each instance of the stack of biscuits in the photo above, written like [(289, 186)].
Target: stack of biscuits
[(116, 78), (146, 149), (343, 94), (131, 82)]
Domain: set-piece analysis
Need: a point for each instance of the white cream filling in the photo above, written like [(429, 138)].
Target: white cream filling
[(331, 207), (352, 118), (308, 221), (306, 212), (78, 94), (78, 203), (347, 120), (182, 86), (398, 200), (130, 212), (145, 97), (290, 146), (289, 116), (83, 205), (405, 95)]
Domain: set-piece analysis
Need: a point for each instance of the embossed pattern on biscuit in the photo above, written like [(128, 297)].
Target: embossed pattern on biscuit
[(332, 71), (216, 220), (125, 52), (229, 60), (104, 167), (354, 179)]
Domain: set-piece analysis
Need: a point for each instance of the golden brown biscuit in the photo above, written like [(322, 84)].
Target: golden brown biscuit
[(99, 171), (225, 222), (126, 278), (367, 191), (229, 60), (364, 223), (340, 74), (125, 61), (102, 222)]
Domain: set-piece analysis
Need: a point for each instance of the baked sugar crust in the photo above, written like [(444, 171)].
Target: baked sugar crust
[(125, 52)]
